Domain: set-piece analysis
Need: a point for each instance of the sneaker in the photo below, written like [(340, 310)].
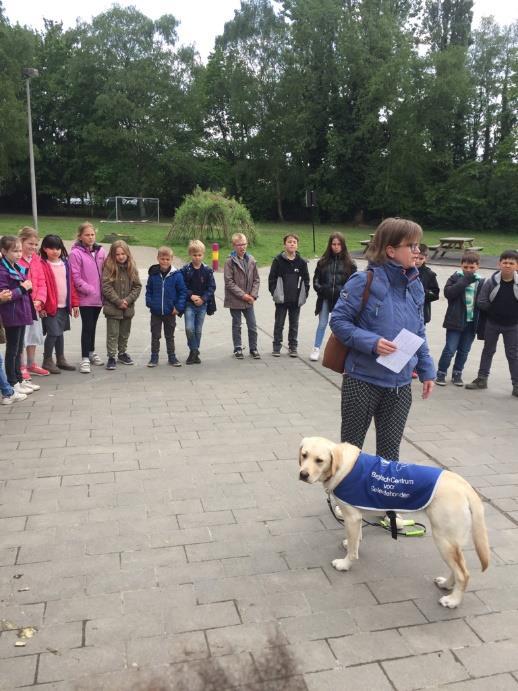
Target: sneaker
[(191, 358), (13, 398), (315, 354), (478, 383), (153, 360), (38, 371), (456, 379), (238, 354), (292, 352), (85, 366), (25, 373), (440, 379), (125, 359), (31, 385), (22, 388), (112, 363), (95, 360), (173, 360), (255, 354), (276, 353)]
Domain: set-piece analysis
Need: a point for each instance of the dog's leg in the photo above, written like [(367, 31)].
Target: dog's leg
[(353, 527), (459, 574)]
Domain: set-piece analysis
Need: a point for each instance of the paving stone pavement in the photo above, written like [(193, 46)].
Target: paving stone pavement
[(152, 526)]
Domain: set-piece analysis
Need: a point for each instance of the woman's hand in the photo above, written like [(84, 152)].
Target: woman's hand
[(384, 347), (27, 284), (75, 312), (427, 388), (5, 295)]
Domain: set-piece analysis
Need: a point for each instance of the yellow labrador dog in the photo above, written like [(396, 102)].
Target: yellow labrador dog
[(451, 504)]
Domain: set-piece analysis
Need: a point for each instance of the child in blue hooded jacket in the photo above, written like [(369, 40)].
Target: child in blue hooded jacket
[(165, 296)]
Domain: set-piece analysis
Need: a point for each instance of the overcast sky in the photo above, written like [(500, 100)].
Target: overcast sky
[(201, 20)]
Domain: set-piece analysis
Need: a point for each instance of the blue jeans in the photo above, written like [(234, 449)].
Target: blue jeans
[(6, 389), (194, 317), (458, 343), (323, 320)]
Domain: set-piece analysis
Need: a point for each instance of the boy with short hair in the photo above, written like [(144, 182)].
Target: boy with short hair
[(241, 279), (288, 283), (461, 318), (498, 299), (200, 284), (165, 296), (429, 281)]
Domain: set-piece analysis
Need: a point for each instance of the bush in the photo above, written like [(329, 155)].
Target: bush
[(207, 215)]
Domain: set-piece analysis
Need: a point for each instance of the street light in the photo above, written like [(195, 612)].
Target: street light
[(28, 73)]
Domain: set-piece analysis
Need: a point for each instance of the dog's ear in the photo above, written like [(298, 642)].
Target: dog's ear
[(302, 441), (336, 458)]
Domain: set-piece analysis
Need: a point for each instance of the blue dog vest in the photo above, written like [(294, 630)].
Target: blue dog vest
[(380, 485)]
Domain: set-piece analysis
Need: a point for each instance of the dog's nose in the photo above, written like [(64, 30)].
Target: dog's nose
[(303, 475)]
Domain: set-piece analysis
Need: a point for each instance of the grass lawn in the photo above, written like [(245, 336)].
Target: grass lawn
[(268, 244)]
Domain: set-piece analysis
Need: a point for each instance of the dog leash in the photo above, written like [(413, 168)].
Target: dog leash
[(389, 524)]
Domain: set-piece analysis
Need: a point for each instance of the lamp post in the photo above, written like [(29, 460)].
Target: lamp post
[(28, 73)]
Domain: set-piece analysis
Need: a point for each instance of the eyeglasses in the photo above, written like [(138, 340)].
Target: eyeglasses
[(241, 244), (413, 246)]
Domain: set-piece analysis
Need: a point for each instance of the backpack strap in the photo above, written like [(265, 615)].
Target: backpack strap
[(366, 294)]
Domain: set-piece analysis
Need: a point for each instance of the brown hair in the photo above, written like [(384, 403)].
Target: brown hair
[(470, 257), (111, 266), (290, 235), (343, 255), (392, 232), (27, 232), (7, 242), (83, 227)]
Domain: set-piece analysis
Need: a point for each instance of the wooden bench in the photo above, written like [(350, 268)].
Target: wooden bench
[(433, 247), (365, 244)]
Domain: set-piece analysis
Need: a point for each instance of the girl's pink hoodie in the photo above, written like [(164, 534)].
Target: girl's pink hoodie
[(36, 275)]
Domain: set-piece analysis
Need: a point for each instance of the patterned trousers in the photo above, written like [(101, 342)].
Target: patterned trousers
[(389, 407)]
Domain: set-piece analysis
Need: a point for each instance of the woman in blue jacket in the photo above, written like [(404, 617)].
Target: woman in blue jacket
[(395, 302)]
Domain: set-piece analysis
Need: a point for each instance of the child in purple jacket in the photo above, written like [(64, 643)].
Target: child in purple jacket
[(16, 313)]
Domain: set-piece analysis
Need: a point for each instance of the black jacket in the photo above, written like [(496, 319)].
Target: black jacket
[(288, 280), (455, 293), (431, 290), (329, 279)]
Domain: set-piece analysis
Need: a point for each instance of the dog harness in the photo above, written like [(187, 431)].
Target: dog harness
[(379, 485)]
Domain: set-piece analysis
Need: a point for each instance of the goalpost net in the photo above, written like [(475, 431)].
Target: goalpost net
[(133, 210)]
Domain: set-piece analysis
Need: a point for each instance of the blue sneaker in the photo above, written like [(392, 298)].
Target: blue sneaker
[(173, 360), (153, 360)]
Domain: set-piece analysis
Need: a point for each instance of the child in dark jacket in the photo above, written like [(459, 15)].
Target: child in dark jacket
[(461, 318), (288, 283), (429, 281), (165, 296), (200, 284)]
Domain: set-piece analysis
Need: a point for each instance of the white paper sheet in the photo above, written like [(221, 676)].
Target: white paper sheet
[(407, 343)]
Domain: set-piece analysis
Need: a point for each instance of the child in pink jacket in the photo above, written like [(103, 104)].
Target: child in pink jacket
[(86, 264), (33, 333)]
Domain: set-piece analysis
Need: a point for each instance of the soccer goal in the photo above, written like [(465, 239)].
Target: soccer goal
[(133, 210)]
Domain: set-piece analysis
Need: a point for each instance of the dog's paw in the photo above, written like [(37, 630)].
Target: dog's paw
[(341, 564), (449, 601), (443, 583), (344, 543)]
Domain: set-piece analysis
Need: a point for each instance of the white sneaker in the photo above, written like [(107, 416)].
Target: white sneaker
[(22, 388), (16, 396), (85, 366), (95, 360), (315, 354), (29, 383)]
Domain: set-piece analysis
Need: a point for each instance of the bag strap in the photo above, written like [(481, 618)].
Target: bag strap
[(366, 294)]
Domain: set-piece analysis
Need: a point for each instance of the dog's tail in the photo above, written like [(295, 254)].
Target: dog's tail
[(478, 528)]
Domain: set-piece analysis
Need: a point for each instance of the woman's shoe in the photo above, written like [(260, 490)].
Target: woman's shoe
[(38, 371), (85, 366), (95, 360), (315, 354)]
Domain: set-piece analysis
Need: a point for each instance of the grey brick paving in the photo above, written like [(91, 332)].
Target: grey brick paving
[(152, 527)]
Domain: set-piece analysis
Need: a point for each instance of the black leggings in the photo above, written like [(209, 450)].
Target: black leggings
[(389, 407), (13, 353), (89, 317)]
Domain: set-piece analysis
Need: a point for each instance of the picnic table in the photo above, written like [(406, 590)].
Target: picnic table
[(453, 243), (366, 243)]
